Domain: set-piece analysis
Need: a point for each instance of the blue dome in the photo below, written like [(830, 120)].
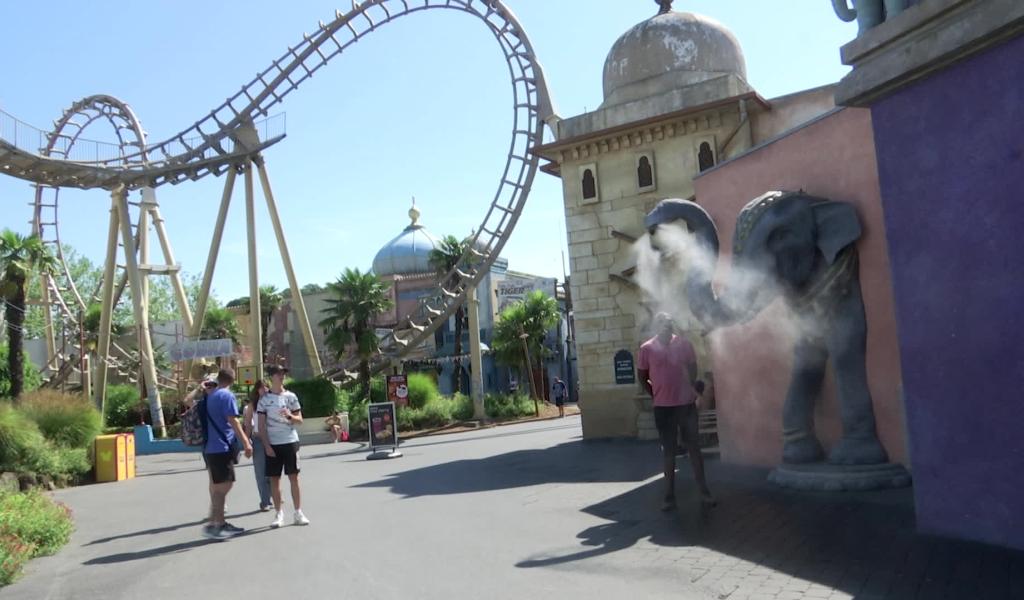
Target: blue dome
[(408, 253)]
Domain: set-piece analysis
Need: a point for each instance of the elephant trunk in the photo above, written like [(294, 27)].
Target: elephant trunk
[(704, 304), (844, 11)]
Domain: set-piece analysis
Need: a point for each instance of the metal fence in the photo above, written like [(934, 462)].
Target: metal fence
[(34, 140)]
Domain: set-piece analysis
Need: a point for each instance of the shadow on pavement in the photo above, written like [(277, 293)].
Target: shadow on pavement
[(159, 530), (163, 550), (863, 544), (570, 462)]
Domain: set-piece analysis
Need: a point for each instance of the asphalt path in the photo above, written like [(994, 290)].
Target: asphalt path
[(519, 511)]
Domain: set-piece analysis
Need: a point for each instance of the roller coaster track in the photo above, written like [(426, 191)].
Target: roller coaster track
[(226, 138), (59, 289)]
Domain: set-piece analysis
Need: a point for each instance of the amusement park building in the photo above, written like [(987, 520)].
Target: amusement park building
[(676, 103), (403, 263)]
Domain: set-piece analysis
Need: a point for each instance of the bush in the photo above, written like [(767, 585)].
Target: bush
[(65, 420), (31, 525), (438, 412), (23, 449), (14, 553), (31, 375), (508, 406), (73, 463), (422, 390), (318, 396), (122, 405)]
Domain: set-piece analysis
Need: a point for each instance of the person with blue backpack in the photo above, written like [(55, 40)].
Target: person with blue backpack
[(223, 435)]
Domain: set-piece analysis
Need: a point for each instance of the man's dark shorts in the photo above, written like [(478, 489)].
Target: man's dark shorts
[(673, 420), (286, 457), (221, 466), (559, 400)]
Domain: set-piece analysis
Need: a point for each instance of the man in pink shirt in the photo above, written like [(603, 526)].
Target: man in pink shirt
[(667, 367)]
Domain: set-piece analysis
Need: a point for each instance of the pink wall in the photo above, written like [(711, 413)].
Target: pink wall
[(833, 158)]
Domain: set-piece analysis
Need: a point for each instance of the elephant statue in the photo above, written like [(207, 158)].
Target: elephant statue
[(868, 13), (802, 248)]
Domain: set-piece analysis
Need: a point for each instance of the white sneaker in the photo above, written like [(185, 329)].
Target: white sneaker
[(300, 519), (278, 520)]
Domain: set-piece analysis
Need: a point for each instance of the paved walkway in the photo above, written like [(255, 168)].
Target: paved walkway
[(523, 511)]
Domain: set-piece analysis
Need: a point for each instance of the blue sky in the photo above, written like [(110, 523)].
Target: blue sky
[(419, 108)]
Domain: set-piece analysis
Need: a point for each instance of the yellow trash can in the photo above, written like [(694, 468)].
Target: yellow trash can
[(129, 454), (111, 458)]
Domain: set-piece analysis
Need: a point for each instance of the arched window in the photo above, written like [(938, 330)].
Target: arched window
[(589, 185), (705, 157), (644, 173)]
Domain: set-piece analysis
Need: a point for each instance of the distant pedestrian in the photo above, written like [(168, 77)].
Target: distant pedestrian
[(559, 391), (251, 424), (223, 432), (333, 424), (279, 412), (667, 368)]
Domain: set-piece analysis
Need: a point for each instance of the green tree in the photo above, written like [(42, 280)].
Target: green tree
[(443, 259), (19, 256), (355, 300), (532, 317), (220, 323), (32, 378)]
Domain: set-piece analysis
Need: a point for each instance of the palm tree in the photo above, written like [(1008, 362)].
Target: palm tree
[(356, 300), (19, 256), (271, 299), (529, 320), (443, 259), (220, 323)]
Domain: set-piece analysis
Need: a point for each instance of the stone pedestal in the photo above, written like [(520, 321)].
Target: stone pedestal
[(925, 39), (825, 477)]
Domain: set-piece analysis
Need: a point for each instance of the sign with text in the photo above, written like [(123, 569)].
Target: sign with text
[(200, 349), (247, 375), (514, 288), (383, 425), (398, 389), (624, 371)]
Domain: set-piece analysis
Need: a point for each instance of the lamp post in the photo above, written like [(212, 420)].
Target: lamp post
[(529, 373)]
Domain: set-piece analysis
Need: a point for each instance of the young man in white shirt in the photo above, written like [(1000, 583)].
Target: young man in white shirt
[(279, 412)]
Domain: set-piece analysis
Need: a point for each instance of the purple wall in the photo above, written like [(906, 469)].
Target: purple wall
[(951, 167)]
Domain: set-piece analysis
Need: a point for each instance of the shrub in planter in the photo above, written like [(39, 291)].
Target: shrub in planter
[(64, 419), (318, 396), (422, 390), (508, 406), (463, 407)]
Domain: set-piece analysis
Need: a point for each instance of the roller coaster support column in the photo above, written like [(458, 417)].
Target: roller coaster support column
[(297, 303), (255, 322), (476, 373), (141, 311), (149, 204), (106, 310), (211, 262)]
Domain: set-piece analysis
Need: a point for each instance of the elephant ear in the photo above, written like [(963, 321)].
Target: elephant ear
[(838, 227)]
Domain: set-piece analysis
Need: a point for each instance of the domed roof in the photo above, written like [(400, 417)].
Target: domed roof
[(669, 51), (409, 252)]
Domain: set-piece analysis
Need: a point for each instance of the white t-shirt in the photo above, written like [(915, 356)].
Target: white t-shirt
[(279, 429)]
